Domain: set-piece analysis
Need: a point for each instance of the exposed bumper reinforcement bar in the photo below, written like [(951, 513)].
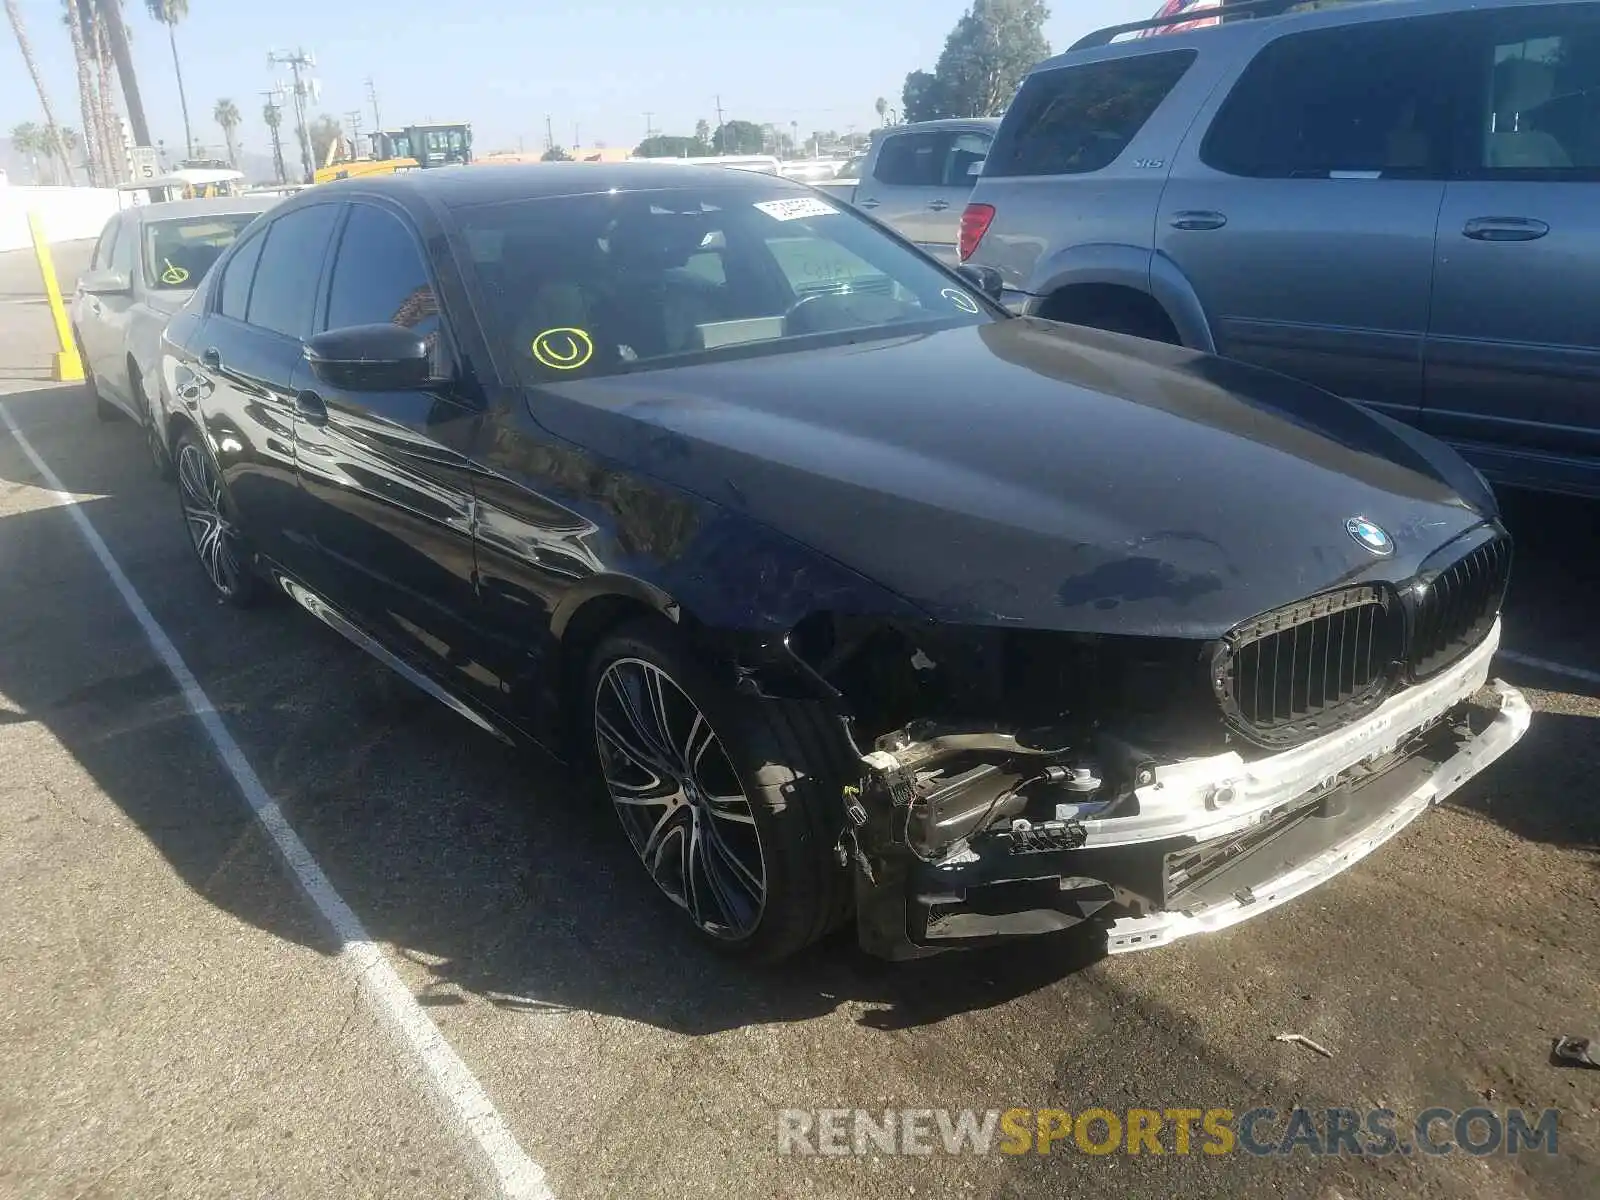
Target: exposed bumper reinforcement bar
[(1509, 724)]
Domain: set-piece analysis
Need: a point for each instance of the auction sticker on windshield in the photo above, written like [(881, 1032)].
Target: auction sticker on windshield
[(796, 209)]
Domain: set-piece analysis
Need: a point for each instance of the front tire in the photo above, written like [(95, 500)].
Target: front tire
[(208, 514), (733, 805)]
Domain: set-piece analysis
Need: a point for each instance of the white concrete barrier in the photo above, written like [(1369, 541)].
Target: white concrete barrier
[(67, 212)]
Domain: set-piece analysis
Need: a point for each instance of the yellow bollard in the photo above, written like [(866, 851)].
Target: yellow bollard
[(68, 367)]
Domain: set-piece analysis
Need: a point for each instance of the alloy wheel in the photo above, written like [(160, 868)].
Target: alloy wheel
[(679, 798), (216, 543)]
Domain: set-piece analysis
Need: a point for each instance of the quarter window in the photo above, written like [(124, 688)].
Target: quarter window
[(1537, 97), (379, 277), (1074, 120), (1372, 100), (103, 249), (285, 290), (233, 300)]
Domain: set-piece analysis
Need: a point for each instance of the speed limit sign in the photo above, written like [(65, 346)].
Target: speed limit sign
[(144, 163)]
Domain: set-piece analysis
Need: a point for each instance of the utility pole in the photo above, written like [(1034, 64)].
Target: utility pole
[(649, 127), (719, 112), (575, 140), (372, 95), (297, 62), (354, 117), (549, 133)]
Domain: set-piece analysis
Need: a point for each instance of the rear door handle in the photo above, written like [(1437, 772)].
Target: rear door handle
[(867, 203), (938, 205), (308, 406), (212, 359), (1505, 229), (1198, 219)]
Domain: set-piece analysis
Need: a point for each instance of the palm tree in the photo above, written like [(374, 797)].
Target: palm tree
[(882, 107), (27, 139), (227, 115), (110, 14), (169, 13), (272, 114), (98, 138), (52, 130)]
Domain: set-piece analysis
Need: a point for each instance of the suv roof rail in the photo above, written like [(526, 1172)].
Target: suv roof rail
[(1226, 11)]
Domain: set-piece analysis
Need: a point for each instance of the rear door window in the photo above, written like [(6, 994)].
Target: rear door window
[(1374, 100), (1074, 120), (912, 160), (285, 291)]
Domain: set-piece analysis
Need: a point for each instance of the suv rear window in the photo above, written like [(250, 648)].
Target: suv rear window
[(1073, 120)]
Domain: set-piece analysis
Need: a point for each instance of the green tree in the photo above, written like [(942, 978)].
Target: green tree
[(555, 154), (738, 137), (983, 62), (666, 145), (324, 131), (702, 132), (226, 114), (169, 13)]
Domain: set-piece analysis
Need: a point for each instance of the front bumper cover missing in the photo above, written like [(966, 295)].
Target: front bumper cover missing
[(1279, 835)]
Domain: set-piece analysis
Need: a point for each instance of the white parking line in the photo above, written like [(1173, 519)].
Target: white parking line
[(1551, 667), (518, 1176)]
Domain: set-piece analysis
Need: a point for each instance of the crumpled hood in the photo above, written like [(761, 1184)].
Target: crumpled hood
[(1042, 476)]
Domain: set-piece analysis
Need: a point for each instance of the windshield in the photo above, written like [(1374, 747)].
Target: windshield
[(178, 253), (599, 284)]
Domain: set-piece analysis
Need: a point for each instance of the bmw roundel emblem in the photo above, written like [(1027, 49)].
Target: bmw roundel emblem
[(1371, 535)]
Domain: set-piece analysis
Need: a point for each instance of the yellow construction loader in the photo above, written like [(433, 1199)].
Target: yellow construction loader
[(416, 147)]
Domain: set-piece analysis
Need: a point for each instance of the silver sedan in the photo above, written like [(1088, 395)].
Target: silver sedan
[(146, 265)]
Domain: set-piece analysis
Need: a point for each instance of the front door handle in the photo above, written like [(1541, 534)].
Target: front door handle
[(1505, 229), (1198, 219), (938, 205), (212, 359), (308, 406), (867, 203)]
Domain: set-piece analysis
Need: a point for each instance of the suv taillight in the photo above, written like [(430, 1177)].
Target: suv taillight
[(974, 224)]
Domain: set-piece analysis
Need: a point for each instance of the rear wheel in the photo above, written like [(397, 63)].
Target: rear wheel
[(103, 408), (209, 516), (732, 807)]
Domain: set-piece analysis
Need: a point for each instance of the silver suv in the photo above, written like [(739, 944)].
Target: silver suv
[(917, 179), (1398, 200)]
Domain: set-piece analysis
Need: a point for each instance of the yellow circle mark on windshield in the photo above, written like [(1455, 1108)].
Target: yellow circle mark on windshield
[(564, 349), (173, 275)]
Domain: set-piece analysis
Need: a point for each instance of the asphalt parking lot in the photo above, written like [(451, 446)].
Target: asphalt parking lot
[(178, 1020)]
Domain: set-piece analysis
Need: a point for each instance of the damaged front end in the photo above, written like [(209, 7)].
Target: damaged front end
[(1155, 788)]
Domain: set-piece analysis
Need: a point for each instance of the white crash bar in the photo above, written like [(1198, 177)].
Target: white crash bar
[(1145, 933)]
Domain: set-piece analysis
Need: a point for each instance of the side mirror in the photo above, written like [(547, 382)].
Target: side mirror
[(986, 279), (371, 358), (105, 282)]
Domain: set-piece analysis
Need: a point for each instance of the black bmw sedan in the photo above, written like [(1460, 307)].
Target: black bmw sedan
[(864, 599)]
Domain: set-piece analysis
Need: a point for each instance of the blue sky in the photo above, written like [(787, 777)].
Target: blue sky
[(599, 65)]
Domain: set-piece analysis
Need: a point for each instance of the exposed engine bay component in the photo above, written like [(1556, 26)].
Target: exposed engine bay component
[(943, 785)]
